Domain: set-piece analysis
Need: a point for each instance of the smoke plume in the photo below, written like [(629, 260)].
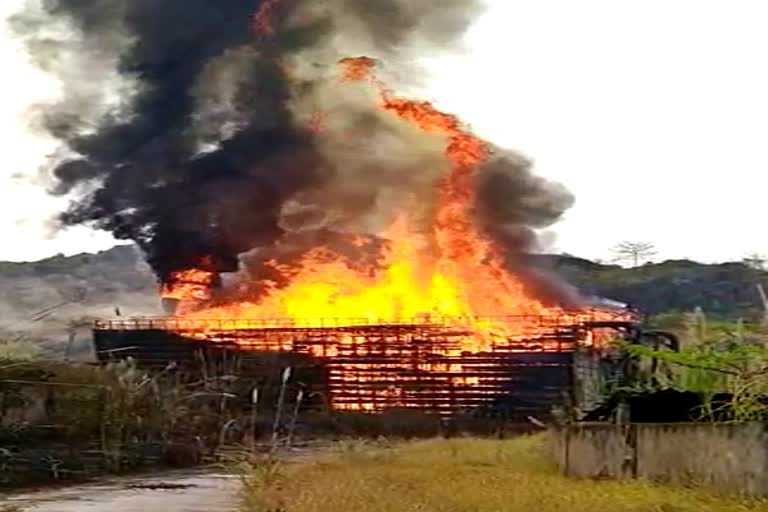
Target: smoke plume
[(204, 129)]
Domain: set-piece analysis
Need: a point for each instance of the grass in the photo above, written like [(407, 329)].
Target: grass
[(462, 475), (17, 349)]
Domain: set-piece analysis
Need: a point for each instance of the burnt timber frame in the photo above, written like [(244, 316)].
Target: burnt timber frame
[(418, 364)]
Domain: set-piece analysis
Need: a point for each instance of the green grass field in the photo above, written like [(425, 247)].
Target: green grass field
[(463, 475)]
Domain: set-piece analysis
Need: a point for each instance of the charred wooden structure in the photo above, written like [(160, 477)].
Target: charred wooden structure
[(420, 364)]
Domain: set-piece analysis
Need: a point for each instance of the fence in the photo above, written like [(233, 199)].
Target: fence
[(727, 457)]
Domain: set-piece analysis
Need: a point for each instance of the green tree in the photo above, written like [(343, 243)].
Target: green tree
[(755, 260), (634, 252)]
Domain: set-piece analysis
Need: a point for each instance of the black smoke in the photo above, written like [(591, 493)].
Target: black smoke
[(153, 184), (187, 127), (511, 203), (144, 165)]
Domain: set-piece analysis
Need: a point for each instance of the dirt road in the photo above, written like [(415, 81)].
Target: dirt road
[(169, 492)]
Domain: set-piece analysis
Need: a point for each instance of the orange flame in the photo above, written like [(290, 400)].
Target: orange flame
[(356, 69), (466, 279), (453, 273), (188, 285)]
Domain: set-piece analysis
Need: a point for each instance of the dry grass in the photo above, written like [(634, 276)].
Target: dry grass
[(463, 475)]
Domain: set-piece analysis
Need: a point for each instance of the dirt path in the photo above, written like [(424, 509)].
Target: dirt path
[(169, 492)]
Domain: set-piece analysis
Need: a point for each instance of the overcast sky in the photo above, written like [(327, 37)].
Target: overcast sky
[(653, 113)]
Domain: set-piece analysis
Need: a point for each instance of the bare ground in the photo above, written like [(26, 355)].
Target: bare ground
[(197, 491)]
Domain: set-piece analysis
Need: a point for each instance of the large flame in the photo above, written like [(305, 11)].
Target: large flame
[(193, 284), (463, 277), (446, 286)]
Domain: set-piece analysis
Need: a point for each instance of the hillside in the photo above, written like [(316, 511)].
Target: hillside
[(80, 288), (724, 289), (45, 300)]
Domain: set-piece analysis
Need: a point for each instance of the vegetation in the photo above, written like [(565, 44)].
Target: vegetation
[(755, 260), (735, 379), (64, 421), (725, 362), (726, 291), (457, 475), (18, 348), (634, 252)]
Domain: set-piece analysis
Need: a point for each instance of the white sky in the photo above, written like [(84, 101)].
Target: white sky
[(653, 113)]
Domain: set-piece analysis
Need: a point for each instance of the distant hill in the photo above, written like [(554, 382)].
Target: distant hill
[(116, 277), (87, 286), (724, 289), (43, 299)]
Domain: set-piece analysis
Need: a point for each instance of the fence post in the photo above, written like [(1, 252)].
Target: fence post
[(280, 402), (254, 406), (635, 451), (104, 426), (629, 464), (566, 449), (295, 417)]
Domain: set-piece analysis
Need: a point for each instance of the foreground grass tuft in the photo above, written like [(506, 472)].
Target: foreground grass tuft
[(466, 475)]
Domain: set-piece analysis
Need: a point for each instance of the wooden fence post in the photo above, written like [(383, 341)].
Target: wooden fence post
[(280, 402), (566, 449)]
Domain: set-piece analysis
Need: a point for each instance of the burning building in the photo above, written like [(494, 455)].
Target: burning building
[(436, 365), (290, 200)]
